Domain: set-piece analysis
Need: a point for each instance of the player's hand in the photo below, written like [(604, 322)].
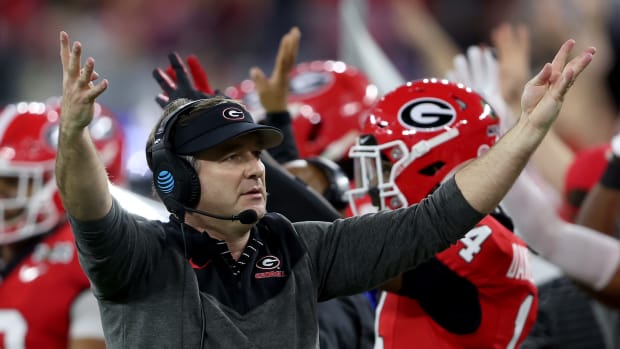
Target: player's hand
[(512, 44), (544, 94), (176, 83), (78, 88), (273, 91), (479, 70)]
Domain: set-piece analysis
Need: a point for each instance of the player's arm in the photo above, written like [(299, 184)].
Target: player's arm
[(273, 94), (512, 44), (585, 255), (485, 181), (600, 209), (601, 206), (80, 173), (421, 29), (87, 343)]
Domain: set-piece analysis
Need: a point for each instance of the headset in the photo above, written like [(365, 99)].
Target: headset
[(174, 178), (338, 181)]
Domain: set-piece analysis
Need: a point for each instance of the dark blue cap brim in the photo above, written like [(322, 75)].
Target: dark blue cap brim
[(269, 137)]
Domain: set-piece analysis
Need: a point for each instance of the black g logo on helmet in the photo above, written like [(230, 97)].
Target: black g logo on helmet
[(426, 114)]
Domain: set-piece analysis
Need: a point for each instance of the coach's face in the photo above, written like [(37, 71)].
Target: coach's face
[(232, 177)]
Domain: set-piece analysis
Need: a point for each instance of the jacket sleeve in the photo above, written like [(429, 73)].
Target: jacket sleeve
[(357, 254)]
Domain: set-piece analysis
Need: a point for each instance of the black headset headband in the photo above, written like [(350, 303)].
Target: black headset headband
[(162, 135)]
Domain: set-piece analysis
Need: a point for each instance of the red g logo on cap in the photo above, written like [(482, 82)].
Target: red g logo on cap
[(233, 113)]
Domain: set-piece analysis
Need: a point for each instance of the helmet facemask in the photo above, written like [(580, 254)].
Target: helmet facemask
[(377, 168), (29, 208)]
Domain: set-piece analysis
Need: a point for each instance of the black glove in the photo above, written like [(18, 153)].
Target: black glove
[(176, 83)]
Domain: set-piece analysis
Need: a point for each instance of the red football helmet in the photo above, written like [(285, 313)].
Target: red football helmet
[(29, 203), (327, 101), (415, 137), (245, 92), (109, 139), (29, 200)]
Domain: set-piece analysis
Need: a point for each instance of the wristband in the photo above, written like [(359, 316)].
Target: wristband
[(278, 119)]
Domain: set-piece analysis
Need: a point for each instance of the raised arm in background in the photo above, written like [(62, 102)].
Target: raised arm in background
[(420, 29), (589, 119), (600, 209), (554, 155)]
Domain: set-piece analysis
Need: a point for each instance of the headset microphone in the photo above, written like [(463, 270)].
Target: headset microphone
[(245, 217)]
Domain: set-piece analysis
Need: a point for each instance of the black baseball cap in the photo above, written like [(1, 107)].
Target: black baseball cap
[(216, 125)]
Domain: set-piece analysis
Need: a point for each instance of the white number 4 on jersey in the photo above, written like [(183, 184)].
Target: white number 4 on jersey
[(473, 241)]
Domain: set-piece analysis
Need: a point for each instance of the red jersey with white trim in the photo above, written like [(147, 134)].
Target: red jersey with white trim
[(36, 296), (494, 262)]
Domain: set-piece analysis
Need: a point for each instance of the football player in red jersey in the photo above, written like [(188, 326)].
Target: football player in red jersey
[(45, 298), (479, 293)]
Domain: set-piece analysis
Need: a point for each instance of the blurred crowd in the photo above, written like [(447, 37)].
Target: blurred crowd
[(131, 37)]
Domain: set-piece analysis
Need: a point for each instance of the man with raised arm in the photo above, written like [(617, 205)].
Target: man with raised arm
[(224, 272)]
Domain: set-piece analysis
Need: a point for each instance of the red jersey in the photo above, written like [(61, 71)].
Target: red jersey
[(494, 262), (37, 294)]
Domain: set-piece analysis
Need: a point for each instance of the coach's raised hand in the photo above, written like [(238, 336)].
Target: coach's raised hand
[(79, 91), (543, 95), (80, 174)]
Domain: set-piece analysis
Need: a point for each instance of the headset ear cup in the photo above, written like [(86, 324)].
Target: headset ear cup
[(192, 191), (175, 180), (338, 181)]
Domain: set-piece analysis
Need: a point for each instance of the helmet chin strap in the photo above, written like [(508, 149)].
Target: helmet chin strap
[(417, 150), (422, 147)]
